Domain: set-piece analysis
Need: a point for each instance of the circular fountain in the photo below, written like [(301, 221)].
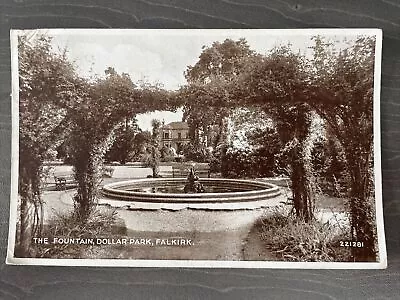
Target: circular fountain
[(211, 211), (218, 193)]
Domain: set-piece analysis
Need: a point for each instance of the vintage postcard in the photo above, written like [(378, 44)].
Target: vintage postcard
[(196, 148)]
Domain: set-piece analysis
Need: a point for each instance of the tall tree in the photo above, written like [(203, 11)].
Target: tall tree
[(205, 97), (343, 95), (47, 85), (218, 65), (155, 153), (224, 59)]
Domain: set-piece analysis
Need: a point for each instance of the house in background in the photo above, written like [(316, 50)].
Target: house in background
[(175, 135)]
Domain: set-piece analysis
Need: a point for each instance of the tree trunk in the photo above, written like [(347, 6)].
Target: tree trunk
[(194, 134), (361, 208), (155, 159), (155, 170), (222, 141), (31, 208), (294, 129), (303, 198), (88, 176), (24, 236)]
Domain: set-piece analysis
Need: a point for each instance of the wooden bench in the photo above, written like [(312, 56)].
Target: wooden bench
[(179, 172), (68, 179), (108, 171), (62, 180)]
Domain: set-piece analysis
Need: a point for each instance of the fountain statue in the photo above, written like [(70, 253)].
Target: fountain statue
[(192, 183)]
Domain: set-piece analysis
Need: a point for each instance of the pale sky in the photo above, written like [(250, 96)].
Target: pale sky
[(162, 56), (144, 120)]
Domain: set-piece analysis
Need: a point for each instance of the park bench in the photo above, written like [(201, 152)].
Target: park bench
[(178, 172), (63, 180), (108, 171)]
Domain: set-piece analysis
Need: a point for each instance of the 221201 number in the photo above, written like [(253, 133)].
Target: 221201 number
[(351, 244)]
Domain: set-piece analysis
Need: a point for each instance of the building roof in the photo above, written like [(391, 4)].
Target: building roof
[(176, 125)]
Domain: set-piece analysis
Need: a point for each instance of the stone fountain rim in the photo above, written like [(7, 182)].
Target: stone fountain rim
[(112, 188)]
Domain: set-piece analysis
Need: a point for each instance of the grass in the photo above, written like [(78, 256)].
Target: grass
[(100, 223), (290, 239), (330, 202)]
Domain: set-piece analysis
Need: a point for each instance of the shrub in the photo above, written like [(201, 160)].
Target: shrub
[(328, 161), (99, 224), (292, 239), (238, 163), (167, 154), (258, 156), (242, 163), (197, 154)]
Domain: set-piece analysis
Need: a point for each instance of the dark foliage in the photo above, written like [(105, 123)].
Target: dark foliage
[(123, 147)]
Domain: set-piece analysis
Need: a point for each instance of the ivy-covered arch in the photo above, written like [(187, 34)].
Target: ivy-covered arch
[(335, 84)]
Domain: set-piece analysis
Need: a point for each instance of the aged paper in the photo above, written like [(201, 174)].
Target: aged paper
[(197, 148)]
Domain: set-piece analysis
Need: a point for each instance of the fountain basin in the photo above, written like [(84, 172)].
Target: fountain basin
[(170, 190)]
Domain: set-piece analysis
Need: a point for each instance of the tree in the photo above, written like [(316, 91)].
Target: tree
[(140, 143), (217, 66), (277, 83), (231, 75), (220, 60), (47, 85), (109, 101), (342, 92), (122, 149), (205, 97), (153, 156)]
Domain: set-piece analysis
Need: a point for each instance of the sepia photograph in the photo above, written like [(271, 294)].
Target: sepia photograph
[(245, 148)]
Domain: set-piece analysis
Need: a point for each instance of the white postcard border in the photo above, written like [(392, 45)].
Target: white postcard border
[(199, 263)]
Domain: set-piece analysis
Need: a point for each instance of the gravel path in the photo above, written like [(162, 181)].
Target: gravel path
[(215, 235)]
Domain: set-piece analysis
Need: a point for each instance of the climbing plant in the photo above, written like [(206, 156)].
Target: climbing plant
[(48, 85), (342, 92), (108, 101)]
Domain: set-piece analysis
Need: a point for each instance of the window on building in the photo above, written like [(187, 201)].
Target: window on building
[(166, 135), (179, 135)]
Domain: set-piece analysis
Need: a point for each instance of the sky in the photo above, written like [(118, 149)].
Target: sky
[(162, 56), (155, 57), (144, 120)]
